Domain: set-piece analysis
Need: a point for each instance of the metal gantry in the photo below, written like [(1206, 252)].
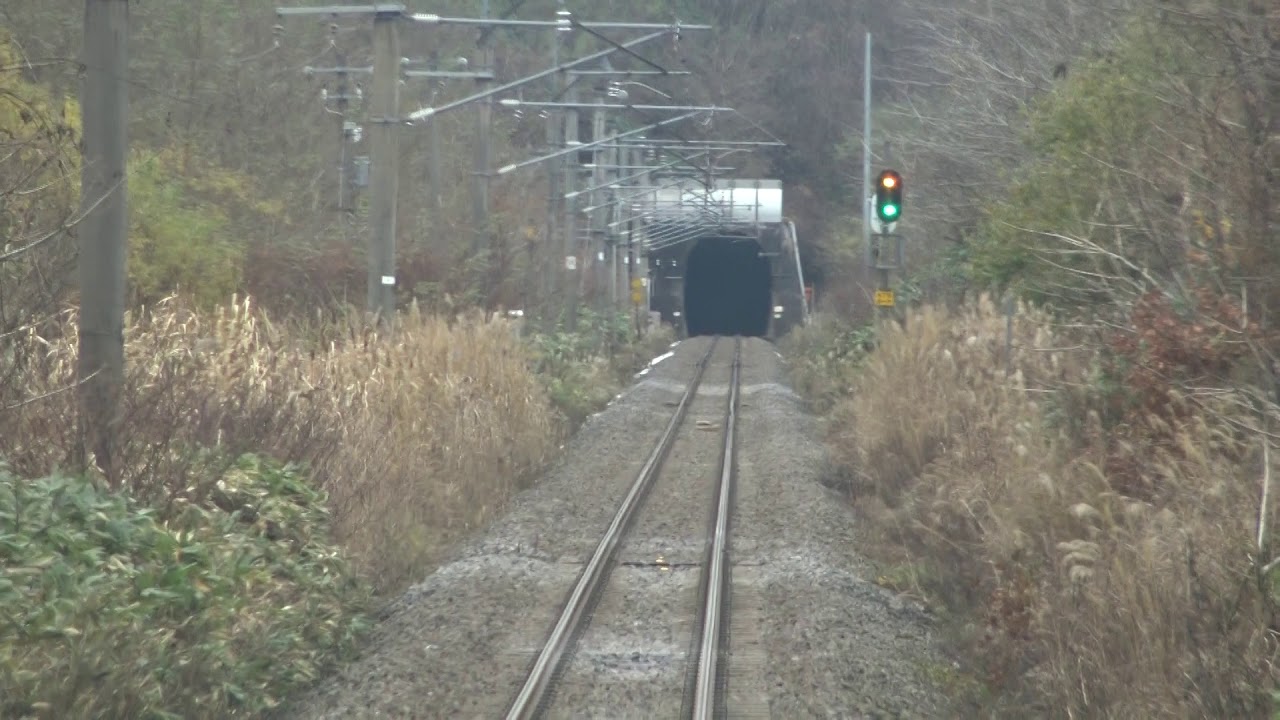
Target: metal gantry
[(616, 194)]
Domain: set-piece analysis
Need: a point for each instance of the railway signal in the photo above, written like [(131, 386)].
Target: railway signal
[(889, 196)]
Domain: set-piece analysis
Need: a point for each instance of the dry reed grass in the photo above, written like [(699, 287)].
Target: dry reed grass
[(417, 436), (1078, 600)]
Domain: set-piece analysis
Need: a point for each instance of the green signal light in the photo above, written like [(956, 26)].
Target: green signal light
[(890, 210)]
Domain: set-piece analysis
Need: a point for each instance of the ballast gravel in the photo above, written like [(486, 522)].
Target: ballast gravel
[(811, 635)]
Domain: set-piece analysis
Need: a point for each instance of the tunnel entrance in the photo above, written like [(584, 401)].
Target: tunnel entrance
[(727, 288)]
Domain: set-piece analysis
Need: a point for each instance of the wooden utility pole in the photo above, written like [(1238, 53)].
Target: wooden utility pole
[(384, 181), (104, 229)]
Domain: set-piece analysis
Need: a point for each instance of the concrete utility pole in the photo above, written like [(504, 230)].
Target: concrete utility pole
[(555, 200), (341, 59), (640, 253), (575, 285), (596, 222), (344, 204), (482, 144), (383, 123), (435, 171), (103, 230), (341, 113), (866, 161), (384, 181), (346, 135)]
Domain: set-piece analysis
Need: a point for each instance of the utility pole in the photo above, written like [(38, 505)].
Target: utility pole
[(341, 59), (611, 237), (866, 162), (435, 173), (384, 179), (103, 229), (346, 204), (482, 144), (555, 259), (383, 122), (596, 244), (573, 287), (629, 273), (639, 254)]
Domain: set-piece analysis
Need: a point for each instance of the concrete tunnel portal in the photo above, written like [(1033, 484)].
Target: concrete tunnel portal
[(727, 288)]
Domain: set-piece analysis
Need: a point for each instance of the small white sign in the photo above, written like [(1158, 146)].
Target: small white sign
[(571, 262), (878, 227), (600, 256), (388, 279)]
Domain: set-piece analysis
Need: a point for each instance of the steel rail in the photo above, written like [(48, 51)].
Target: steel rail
[(706, 688), (534, 693)]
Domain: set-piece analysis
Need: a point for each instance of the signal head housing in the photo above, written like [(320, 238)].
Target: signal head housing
[(889, 196)]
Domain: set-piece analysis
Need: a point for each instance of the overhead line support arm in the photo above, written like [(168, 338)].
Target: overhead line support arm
[(583, 146), (428, 112)]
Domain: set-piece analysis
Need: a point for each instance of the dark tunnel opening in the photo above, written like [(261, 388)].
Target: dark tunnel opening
[(727, 288)]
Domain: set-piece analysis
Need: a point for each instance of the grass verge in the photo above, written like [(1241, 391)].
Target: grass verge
[(1093, 554), (213, 576)]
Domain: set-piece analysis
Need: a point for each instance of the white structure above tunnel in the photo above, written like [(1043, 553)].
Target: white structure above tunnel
[(727, 202)]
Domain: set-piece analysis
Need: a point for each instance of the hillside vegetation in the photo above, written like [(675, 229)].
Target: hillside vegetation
[(1066, 447)]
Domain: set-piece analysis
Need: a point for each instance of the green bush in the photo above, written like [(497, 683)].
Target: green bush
[(111, 610), (189, 221), (584, 369), (824, 357)]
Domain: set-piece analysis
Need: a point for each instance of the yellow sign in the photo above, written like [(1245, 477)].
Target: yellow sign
[(884, 298), (637, 284), (637, 297)]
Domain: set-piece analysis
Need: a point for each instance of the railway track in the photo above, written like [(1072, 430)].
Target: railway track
[(656, 491)]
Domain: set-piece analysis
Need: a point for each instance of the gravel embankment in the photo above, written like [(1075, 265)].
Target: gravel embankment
[(811, 636)]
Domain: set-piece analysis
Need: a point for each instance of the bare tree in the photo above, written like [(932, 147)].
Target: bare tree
[(961, 85), (35, 213)]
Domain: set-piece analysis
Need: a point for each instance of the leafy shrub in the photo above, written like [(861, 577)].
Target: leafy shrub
[(584, 369), (113, 610), (189, 219), (824, 357)]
